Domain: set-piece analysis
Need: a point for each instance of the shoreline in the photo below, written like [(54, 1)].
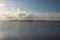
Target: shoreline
[(31, 20)]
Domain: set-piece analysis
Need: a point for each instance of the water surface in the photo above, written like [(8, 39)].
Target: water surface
[(29, 30)]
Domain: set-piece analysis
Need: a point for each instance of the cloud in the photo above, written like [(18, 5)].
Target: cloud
[(2, 5), (22, 14)]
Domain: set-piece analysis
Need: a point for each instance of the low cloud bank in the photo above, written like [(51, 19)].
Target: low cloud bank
[(21, 14)]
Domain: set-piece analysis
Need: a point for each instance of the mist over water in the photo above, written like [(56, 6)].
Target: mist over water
[(29, 30)]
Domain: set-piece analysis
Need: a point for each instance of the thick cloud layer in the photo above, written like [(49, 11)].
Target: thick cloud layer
[(22, 14)]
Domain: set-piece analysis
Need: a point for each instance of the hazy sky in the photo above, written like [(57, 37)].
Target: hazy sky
[(44, 8)]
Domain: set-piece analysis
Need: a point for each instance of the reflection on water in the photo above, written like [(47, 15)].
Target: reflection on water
[(29, 30)]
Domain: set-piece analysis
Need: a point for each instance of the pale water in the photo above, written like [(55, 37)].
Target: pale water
[(29, 30)]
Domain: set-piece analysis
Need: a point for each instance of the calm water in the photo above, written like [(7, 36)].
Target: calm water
[(29, 30)]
